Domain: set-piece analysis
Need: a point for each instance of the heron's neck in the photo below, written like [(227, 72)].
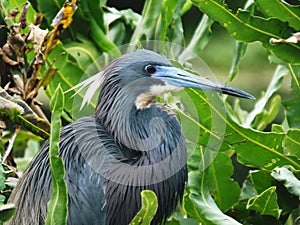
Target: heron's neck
[(145, 131)]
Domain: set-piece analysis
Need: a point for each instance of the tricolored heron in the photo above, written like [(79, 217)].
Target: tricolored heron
[(130, 144)]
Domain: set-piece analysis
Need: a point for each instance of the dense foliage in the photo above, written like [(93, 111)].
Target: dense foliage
[(243, 168)]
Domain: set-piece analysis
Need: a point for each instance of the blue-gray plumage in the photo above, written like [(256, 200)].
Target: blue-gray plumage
[(130, 144)]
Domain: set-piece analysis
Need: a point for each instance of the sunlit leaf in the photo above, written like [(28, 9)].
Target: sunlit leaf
[(265, 203), (274, 85), (224, 190), (254, 148), (292, 107), (248, 190), (201, 206), (240, 49), (2, 177), (269, 114), (6, 211), (288, 179), (199, 40), (148, 210), (281, 10), (260, 179), (58, 204), (246, 28), (292, 142)]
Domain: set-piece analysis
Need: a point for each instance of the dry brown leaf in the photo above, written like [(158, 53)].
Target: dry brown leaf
[(294, 39)]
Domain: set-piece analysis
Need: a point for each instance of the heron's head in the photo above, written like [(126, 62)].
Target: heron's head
[(143, 75)]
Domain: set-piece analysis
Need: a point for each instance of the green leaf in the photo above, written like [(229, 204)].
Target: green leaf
[(265, 203), (246, 28), (240, 49), (6, 211), (83, 53), (218, 132), (260, 179), (128, 16), (288, 179), (58, 204), (2, 177), (248, 190), (295, 72), (199, 40), (145, 28), (70, 74), (167, 25), (277, 128), (49, 8), (292, 142), (101, 40), (269, 114), (224, 190), (31, 149), (281, 10), (148, 210), (292, 109), (201, 206), (274, 86)]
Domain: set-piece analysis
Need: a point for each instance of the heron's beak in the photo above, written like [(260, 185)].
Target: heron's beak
[(181, 78)]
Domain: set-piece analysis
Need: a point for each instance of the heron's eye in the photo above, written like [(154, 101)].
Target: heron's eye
[(150, 69)]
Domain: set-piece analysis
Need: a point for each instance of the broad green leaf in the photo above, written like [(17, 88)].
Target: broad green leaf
[(148, 210), (295, 73), (281, 10), (167, 25), (180, 218), (239, 52), (224, 189), (236, 113), (31, 149), (69, 75), (274, 85), (101, 40), (145, 28), (115, 22), (186, 7), (201, 206), (292, 109), (128, 16), (265, 203), (277, 128), (93, 9), (246, 28), (288, 179), (2, 197), (248, 190), (58, 204), (292, 105), (260, 179), (165, 18), (6, 211), (292, 142), (240, 48), (84, 53), (2, 177), (269, 114), (117, 33), (199, 40), (49, 8), (254, 148)]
